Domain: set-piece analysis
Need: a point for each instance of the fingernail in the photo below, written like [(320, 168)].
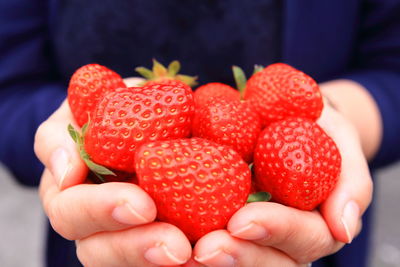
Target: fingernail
[(252, 231), (126, 214), (60, 165), (218, 258), (160, 255), (351, 213)]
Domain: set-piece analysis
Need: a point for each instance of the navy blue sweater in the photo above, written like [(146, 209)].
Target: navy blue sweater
[(41, 45)]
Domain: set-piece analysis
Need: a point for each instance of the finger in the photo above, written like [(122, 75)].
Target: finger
[(192, 263), (157, 244), (57, 151), (220, 249), (353, 193), (285, 228), (85, 209)]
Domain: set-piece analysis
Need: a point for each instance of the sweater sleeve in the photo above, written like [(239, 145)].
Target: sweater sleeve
[(377, 68), (29, 92)]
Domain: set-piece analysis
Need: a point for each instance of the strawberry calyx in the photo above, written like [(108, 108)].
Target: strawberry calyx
[(258, 68), (240, 78), (160, 72), (78, 138), (259, 197)]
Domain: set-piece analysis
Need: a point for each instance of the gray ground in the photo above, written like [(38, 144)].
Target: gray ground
[(22, 223)]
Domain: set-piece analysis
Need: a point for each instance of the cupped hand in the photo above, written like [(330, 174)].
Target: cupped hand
[(270, 234), (112, 223)]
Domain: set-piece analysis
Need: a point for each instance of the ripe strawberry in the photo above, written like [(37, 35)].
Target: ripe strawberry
[(228, 122), (205, 92), (221, 116), (280, 91), (297, 162), (127, 118), (162, 74), (196, 184), (87, 86)]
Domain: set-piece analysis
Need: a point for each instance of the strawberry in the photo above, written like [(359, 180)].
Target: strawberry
[(196, 184), (162, 74), (203, 93), (223, 117), (280, 91), (297, 162), (127, 118), (87, 86), (228, 122), (211, 90)]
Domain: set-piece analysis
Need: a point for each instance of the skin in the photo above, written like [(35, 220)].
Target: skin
[(359, 108), (260, 234)]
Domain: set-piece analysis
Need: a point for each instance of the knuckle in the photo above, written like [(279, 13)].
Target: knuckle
[(53, 214), (320, 246), (56, 218), (121, 252)]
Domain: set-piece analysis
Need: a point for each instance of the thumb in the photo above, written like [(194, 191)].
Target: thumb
[(57, 151)]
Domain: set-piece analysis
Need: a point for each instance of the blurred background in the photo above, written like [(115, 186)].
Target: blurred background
[(23, 224)]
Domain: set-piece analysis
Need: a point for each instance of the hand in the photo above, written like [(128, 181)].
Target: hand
[(112, 223), (270, 234)]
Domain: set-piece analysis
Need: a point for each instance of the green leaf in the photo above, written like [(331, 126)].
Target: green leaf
[(173, 68), (97, 168), (259, 197), (75, 135), (84, 128), (160, 72), (158, 69), (94, 167), (102, 180), (240, 79), (189, 80), (145, 72)]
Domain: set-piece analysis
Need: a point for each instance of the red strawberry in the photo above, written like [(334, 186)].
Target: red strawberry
[(205, 92), (297, 162), (162, 74), (128, 118), (168, 82), (221, 116), (196, 184), (87, 86), (280, 91), (228, 122)]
